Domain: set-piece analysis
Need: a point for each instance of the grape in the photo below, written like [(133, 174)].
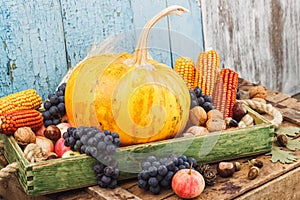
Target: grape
[(163, 160), (155, 189), (62, 87), (92, 142), (113, 184), (84, 139), (151, 159), (101, 184), (183, 157), (201, 101), (207, 98), (46, 115), (98, 168), (53, 110), (145, 175), (47, 105), (61, 99), (116, 173), (56, 121), (170, 165), (207, 106), (117, 142), (107, 132), (198, 91), (162, 170), (65, 135), (50, 95), (152, 171), (180, 161), (164, 183), (169, 176), (105, 179), (61, 108), (100, 136), (146, 165), (54, 99), (153, 181), (110, 149), (181, 166), (82, 149), (48, 122), (59, 93), (109, 171), (142, 184), (101, 146), (192, 160), (186, 164), (194, 103), (156, 164), (108, 139), (115, 135)]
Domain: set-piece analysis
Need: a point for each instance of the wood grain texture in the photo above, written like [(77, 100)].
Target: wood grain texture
[(259, 39), (32, 52)]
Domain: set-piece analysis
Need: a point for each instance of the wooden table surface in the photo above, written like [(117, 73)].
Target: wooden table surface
[(275, 180)]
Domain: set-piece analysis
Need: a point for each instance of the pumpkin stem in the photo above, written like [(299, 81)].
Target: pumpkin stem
[(141, 53)]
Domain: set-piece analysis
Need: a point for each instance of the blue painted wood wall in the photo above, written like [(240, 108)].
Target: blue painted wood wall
[(41, 40)]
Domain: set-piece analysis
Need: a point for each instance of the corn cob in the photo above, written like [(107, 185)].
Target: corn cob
[(186, 69), (10, 122), (207, 69), (224, 95), (26, 99)]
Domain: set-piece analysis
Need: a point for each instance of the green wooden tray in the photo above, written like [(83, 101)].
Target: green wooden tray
[(76, 172)]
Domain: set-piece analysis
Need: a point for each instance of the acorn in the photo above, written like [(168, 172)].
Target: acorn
[(256, 163), (253, 172), (282, 140)]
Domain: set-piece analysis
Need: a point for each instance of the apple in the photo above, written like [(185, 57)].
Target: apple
[(188, 183), (70, 153), (63, 127), (60, 147), (45, 143)]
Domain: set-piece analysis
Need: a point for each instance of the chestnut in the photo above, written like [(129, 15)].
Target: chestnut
[(225, 169), (282, 140), (238, 111), (52, 132)]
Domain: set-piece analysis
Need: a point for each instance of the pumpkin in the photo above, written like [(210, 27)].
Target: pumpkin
[(139, 98)]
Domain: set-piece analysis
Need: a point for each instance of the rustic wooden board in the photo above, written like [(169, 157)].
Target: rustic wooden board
[(259, 39)]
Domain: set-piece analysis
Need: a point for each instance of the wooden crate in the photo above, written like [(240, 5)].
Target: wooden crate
[(75, 172)]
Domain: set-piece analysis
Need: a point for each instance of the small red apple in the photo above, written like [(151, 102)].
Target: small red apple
[(45, 143), (60, 147), (188, 183), (63, 127)]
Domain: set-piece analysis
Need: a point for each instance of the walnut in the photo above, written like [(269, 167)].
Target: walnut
[(258, 92), (24, 136)]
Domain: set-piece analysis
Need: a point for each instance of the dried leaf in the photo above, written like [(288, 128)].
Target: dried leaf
[(288, 130), (293, 144), (278, 154)]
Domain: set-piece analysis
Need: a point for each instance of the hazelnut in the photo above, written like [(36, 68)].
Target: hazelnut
[(237, 166), (197, 116), (225, 169), (258, 92), (253, 172), (282, 140), (52, 132), (214, 114), (238, 111), (215, 125), (197, 130), (231, 122)]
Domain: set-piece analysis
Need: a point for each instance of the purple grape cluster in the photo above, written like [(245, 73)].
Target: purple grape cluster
[(157, 173), (55, 106), (99, 144), (200, 99)]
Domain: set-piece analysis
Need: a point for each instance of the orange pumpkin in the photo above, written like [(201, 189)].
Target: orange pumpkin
[(141, 99)]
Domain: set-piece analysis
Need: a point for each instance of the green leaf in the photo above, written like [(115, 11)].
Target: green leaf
[(293, 144), (288, 130), (278, 154)]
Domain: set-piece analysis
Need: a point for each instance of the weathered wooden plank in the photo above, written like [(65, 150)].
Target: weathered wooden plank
[(32, 53), (90, 22), (114, 194), (159, 41), (283, 187), (259, 39), (186, 31)]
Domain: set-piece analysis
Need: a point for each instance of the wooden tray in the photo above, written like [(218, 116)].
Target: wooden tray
[(75, 172)]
